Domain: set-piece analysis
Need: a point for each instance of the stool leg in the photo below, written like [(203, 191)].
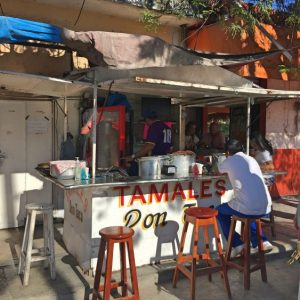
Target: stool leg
[(206, 243), (272, 223), (158, 251), (123, 269), (24, 245), (46, 238), (180, 252), (99, 269), (174, 247), (230, 239), (220, 251), (51, 245), (194, 255), (261, 252), (247, 255), (29, 248), (108, 270), (133, 273)]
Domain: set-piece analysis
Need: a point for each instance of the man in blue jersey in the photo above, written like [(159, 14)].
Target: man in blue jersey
[(159, 138)]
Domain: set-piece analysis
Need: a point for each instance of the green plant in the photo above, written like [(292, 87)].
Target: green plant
[(242, 16), (293, 21), (150, 20), (288, 69)]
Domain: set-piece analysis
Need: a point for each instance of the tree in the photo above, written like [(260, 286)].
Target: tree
[(242, 15)]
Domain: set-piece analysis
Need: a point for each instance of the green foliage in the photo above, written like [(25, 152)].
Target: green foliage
[(234, 30), (150, 20), (288, 69), (293, 21), (242, 16)]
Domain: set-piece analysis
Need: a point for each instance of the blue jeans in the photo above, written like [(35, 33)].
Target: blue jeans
[(224, 218)]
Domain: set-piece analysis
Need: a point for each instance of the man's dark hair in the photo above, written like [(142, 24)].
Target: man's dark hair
[(233, 146), (150, 114), (262, 143), (189, 126)]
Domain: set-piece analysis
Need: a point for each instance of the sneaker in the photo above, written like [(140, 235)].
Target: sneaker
[(235, 251), (267, 246)]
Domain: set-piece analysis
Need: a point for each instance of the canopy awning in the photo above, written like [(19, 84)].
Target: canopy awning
[(40, 85), (119, 50), (128, 51), (187, 85), (14, 30)]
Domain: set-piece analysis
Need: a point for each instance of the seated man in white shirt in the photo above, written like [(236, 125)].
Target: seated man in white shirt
[(251, 196)]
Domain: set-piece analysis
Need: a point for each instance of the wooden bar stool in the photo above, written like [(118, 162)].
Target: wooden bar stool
[(245, 265), (28, 254), (200, 217), (270, 221), (110, 236)]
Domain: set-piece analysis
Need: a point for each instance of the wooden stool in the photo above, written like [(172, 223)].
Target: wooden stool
[(111, 235), (28, 254), (270, 221), (245, 266), (200, 217)]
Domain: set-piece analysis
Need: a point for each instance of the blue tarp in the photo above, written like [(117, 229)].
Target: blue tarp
[(13, 30)]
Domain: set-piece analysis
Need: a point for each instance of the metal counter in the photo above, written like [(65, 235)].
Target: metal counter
[(153, 208), (68, 184)]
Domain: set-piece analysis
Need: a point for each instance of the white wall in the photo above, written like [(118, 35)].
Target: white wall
[(283, 125)]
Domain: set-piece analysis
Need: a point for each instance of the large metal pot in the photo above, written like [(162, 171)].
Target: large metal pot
[(183, 163), (150, 167)]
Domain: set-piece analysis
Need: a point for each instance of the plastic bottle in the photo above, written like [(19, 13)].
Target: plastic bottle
[(77, 169)]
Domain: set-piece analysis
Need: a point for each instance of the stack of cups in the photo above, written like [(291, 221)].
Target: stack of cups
[(197, 168)]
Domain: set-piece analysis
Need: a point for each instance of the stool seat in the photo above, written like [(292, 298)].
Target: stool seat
[(39, 206), (116, 232), (201, 212)]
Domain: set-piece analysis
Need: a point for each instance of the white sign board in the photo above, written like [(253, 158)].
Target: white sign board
[(154, 210)]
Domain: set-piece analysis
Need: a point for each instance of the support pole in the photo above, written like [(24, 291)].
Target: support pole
[(65, 118), (94, 127), (182, 113), (248, 125)]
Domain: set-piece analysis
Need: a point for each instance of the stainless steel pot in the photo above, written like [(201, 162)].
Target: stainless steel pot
[(150, 167), (183, 163)]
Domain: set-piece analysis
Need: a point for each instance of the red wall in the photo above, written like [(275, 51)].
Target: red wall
[(288, 160), (213, 38)]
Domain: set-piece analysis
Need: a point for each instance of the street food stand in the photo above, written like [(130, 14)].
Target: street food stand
[(154, 208), (147, 205)]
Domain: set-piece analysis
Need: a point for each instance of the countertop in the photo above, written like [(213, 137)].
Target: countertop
[(110, 181)]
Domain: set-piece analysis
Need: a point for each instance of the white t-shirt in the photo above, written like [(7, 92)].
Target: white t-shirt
[(251, 196), (263, 156)]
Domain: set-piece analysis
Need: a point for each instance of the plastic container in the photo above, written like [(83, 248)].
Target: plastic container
[(77, 169)]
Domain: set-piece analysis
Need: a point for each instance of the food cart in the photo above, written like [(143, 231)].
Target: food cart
[(153, 207)]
